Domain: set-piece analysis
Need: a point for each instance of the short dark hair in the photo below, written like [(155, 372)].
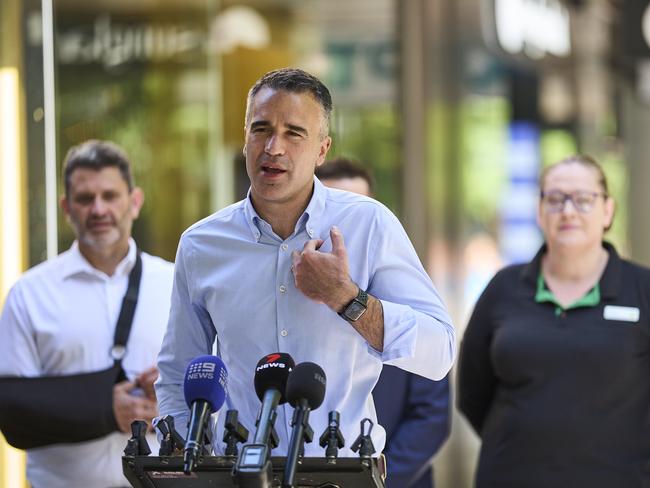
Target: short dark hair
[(340, 168), (95, 154), (294, 80)]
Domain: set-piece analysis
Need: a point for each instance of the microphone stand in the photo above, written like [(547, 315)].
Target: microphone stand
[(300, 434), (332, 437), (234, 432), (137, 445), (171, 439), (195, 437), (363, 444)]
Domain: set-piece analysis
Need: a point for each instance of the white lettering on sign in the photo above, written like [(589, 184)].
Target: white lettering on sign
[(534, 27)]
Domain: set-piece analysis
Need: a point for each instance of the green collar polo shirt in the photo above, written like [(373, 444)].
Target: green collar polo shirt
[(560, 396), (543, 294)]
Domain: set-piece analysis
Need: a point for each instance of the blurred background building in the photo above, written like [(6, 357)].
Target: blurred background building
[(454, 104)]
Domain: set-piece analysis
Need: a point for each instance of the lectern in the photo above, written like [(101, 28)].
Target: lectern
[(216, 472)]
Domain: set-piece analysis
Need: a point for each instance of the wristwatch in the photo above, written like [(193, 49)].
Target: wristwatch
[(356, 308)]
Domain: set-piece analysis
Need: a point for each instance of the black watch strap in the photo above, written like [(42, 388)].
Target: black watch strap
[(356, 308)]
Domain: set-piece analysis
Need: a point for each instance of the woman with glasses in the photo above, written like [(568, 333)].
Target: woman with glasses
[(555, 362)]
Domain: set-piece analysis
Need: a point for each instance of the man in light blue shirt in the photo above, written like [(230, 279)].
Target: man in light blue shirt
[(324, 275)]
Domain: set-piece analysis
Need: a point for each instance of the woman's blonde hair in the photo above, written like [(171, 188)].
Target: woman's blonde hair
[(583, 159)]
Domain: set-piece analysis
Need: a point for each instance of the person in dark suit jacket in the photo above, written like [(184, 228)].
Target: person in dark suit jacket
[(413, 410), (415, 413)]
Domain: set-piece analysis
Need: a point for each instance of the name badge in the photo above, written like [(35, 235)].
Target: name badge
[(624, 314)]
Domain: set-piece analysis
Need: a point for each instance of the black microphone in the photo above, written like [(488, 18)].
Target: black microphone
[(253, 468), (205, 391), (271, 375), (305, 392)]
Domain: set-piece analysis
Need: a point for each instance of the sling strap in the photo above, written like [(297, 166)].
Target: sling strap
[(125, 319)]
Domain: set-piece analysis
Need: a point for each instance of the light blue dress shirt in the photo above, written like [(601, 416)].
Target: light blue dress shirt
[(233, 284)]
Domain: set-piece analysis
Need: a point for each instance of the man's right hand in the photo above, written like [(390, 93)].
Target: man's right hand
[(128, 407)]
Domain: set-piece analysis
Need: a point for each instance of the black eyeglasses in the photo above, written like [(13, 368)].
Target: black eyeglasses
[(583, 201)]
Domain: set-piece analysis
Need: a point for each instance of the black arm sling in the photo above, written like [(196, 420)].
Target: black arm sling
[(37, 412)]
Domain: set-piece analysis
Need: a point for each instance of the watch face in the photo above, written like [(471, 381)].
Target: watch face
[(354, 311)]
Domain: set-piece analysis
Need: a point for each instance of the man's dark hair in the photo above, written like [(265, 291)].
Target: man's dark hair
[(340, 168), (296, 81), (95, 154)]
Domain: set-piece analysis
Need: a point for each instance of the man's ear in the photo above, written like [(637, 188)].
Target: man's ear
[(65, 206), (325, 145), (137, 200)]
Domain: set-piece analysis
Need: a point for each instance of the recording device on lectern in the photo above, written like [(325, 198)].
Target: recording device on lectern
[(205, 389), (253, 468)]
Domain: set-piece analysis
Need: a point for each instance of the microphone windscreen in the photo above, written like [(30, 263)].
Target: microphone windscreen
[(206, 379), (307, 381), (272, 372)]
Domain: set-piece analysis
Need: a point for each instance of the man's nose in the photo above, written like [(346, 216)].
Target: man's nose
[(98, 206), (274, 145)]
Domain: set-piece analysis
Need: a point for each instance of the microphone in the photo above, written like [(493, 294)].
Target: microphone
[(253, 468), (271, 375), (205, 388), (305, 392)]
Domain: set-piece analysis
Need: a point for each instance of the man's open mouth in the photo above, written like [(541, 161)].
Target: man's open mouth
[(272, 170)]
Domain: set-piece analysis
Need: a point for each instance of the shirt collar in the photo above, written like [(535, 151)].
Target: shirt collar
[(76, 263), (543, 294), (310, 218), (609, 281)]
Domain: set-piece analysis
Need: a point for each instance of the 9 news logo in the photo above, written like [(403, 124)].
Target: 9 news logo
[(201, 371)]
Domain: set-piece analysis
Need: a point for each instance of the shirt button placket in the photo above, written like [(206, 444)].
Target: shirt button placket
[(282, 287)]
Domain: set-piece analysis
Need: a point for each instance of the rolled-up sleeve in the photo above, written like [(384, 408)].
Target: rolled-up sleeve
[(418, 332)]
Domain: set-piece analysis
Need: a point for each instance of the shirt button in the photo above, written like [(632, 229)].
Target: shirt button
[(284, 247), (284, 333), (310, 232), (283, 288)]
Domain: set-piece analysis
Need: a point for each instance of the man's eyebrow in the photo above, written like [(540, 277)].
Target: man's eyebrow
[(265, 123), (260, 123), (297, 128)]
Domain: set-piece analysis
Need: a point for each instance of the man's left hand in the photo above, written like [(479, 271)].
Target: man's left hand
[(324, 276), (145, 380)]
